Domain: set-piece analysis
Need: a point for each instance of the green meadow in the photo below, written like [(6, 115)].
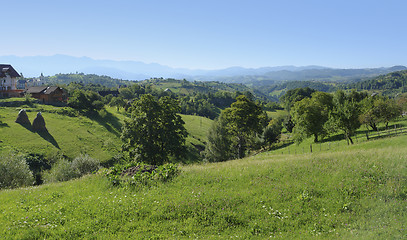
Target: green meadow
[(338, 191), (72, 134), (357, 193)]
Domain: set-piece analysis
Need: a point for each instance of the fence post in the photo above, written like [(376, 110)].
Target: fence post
[(395, 129), (310, 147)]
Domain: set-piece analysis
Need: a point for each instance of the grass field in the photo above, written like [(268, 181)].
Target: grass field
[(97, 135), (359, 192), (335, 192)]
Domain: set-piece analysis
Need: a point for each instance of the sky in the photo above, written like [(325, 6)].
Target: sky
[(211, 34)]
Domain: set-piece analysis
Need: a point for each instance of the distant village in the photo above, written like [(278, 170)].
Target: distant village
[(13, 84)]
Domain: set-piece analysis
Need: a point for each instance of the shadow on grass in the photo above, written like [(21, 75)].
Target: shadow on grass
[(2, 124), (280, 145), (107, 120), (44, 134), (333, 138), (48, 137)]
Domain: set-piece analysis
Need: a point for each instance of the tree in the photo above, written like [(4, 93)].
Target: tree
[(85, 100), (288, 123), (379, 109), (244, 119), (272, 132), (310, 115), (118, 102), (386, 110), (155, 131), (368, 115), (345, 115), (294, 95), (219, 146)]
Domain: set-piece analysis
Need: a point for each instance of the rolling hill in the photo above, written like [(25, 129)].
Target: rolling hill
[(97, 135)]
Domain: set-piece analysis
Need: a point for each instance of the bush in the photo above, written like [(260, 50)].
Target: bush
[(85, 164), (61, 171), (138, 174), (65, 170), (14, 172)]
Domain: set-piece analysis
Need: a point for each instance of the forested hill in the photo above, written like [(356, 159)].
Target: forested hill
[(85, 79), (320, 75), (183, 87), (395, 81)]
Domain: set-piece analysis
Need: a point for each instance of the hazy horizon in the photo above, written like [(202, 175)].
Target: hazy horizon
[(212, 34)]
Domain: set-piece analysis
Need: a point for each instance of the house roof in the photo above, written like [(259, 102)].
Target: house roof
[(43, 89), (7, 68), (36, 89), (50, 90)]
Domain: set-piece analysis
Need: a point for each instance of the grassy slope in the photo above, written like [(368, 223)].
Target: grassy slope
[(359, 192), (197, 128), (98, 136)]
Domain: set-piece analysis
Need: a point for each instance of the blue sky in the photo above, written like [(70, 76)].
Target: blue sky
[(212, 34)]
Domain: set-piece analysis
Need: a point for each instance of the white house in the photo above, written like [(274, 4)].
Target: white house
[(8, 81)]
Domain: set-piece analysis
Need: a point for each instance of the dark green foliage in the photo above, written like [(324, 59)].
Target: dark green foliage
[(117, 102), (295, 95), (290, 85), (37, 164), (232, 134), (345, 115), (138, 174), (198, 105), (392, 81), (310, 115), (288, 123), (91, 81), (85, 100), (244, 119), (272, 132), (377, 109), (219, 145), (155, 131)]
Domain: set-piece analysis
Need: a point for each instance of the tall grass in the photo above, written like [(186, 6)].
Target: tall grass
[(357, 193)]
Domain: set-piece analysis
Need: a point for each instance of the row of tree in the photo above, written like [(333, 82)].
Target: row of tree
[(321, 114)]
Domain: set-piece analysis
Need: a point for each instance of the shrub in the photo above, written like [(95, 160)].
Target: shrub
[(14, 171), (61, 171), (138, 174), (65, 170), (85, 164)]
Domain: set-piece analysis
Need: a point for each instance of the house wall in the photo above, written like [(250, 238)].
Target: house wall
[(8, 83)]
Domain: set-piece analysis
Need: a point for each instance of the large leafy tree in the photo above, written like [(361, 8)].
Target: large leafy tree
[(310, 115), (155, 130), (345, 115), (219, 146), (295, 95), (272, 132), (379, 109), (244, 119), (85, 100)]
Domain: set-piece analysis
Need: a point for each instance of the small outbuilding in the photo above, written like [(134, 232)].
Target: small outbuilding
[(48, 95)]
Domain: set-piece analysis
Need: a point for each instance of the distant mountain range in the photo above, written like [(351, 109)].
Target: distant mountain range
[(134, 70)]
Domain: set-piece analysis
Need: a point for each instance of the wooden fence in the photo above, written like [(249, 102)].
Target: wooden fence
[(327, 146)]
